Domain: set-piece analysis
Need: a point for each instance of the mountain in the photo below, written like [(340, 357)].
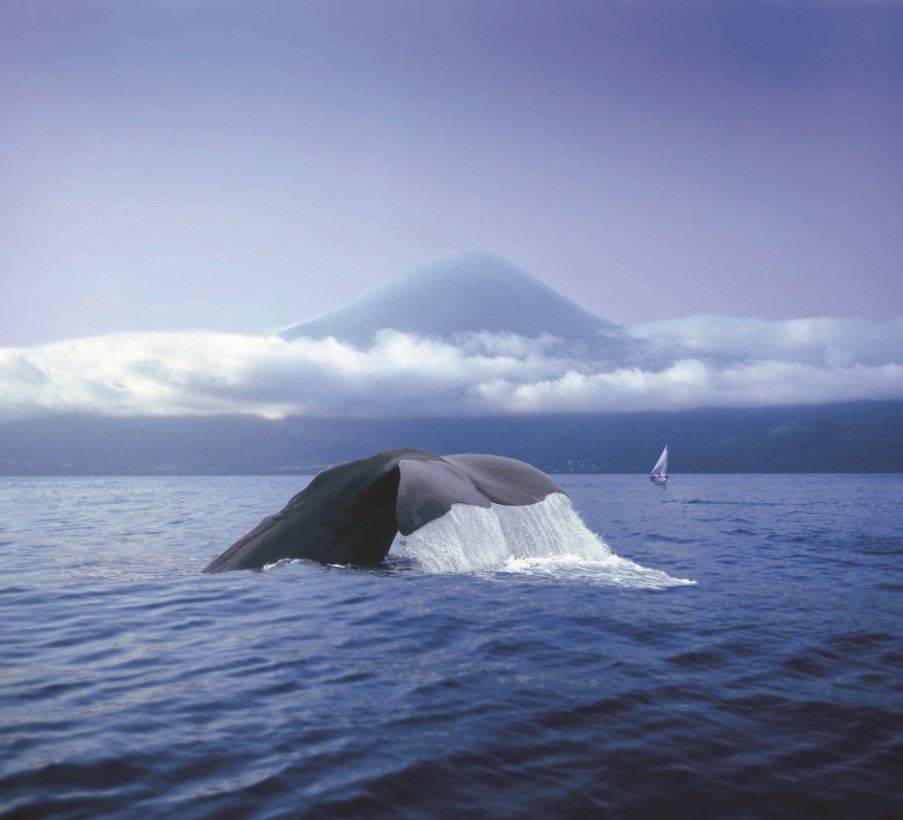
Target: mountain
[(850, 437), (455, 294)]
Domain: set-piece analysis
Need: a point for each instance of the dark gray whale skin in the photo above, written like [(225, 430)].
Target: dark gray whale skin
[(350, 514)]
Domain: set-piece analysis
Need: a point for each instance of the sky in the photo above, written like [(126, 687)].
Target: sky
[(180, 179), (238, 166)]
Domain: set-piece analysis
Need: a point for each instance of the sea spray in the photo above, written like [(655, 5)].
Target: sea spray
[(547, 538)]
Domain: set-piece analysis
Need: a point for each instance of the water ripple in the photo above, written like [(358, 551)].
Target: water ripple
[(132, 684)]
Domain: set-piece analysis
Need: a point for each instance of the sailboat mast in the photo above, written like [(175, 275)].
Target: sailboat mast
[(661, 466)]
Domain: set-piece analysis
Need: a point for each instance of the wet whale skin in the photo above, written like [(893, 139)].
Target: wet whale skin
[(350, 514)]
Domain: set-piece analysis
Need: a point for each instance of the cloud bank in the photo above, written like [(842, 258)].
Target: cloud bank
[(677, 364)]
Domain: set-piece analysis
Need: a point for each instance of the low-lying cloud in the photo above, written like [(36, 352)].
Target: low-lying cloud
[(678, 364)]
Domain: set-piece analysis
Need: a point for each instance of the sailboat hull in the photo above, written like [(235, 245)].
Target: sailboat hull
[(659, 473)]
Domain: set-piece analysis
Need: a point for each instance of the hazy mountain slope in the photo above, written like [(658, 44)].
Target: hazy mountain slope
[(853, 437), (454, 294)]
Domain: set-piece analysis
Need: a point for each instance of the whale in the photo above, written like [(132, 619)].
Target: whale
[(351, 513)]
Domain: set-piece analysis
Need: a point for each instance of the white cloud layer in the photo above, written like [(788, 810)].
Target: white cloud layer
[(677, 364)]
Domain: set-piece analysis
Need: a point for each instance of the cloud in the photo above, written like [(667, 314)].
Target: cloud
[(819, 341), (678, 364)]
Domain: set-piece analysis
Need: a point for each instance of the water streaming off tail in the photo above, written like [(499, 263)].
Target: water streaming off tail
[(547, 538)]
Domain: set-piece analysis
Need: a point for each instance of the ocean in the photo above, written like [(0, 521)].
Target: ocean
[(728, 646)]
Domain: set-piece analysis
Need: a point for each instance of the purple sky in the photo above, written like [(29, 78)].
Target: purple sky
[(244, 165)]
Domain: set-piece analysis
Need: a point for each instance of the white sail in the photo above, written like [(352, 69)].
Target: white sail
[(661, 466)]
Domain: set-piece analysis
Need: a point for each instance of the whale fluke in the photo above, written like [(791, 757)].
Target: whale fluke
[(350, 514)]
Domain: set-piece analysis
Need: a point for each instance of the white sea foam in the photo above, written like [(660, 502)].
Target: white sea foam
[(547, 538)]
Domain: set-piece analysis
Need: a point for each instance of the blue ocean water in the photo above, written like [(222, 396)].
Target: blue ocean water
[(132, 684)]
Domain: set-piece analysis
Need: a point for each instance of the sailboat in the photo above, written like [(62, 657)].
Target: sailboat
[(659, 474)]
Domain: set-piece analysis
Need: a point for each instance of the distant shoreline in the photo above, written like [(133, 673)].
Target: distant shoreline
[(848, 438)]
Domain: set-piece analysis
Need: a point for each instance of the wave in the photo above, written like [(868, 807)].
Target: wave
[(546, 538)]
